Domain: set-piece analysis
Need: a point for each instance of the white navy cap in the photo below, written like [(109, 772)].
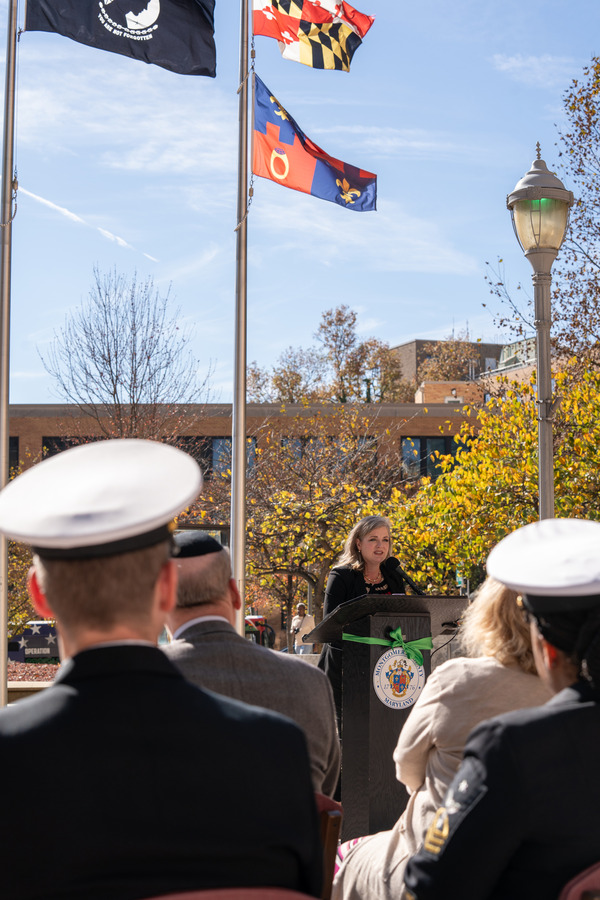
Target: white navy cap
[(100, 498), (554, 564)]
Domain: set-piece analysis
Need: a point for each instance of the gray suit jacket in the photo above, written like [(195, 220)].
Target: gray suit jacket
[(213, 655)]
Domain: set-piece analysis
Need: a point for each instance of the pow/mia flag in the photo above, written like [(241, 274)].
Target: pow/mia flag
[(175, 34)]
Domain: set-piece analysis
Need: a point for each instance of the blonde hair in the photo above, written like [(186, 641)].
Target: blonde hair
[(350, 554), (493, 625)]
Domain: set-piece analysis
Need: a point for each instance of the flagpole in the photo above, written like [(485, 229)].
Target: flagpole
[(8, 190), (238, 428)]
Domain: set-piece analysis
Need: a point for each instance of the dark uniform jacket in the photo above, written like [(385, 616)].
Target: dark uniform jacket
[(124, 781), (522, 816), (345, 583)]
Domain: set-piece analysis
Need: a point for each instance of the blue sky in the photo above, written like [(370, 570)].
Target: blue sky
[(126, 165)]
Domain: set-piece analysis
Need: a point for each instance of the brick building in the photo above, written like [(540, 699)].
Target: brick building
[(414, 431), (411, 355)]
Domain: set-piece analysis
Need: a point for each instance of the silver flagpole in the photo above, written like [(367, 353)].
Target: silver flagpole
[(238, 432), (8, 190)]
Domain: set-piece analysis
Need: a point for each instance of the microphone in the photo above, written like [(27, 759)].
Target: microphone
[(391, 564)]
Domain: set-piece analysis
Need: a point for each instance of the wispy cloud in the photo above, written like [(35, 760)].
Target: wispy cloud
[(544, 71), (194, 265), (152, 129), (406, 143), (392, 240), (73, 217)]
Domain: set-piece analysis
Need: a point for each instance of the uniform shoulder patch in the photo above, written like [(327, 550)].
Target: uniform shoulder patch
[(464, 793)]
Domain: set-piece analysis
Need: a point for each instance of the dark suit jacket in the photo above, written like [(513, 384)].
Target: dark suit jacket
[(123, 781), (522, 812), (212, 654)]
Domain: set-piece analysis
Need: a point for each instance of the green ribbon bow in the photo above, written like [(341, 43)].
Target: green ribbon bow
[(411, 648)]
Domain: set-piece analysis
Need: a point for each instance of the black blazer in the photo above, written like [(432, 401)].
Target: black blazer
[(124, 781), (345, 583)]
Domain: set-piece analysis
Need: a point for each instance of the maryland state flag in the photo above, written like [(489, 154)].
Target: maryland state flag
[(174, 34), (321, 33), (282, 152)]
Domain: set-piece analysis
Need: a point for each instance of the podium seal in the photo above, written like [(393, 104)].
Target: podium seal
[(397, 680)]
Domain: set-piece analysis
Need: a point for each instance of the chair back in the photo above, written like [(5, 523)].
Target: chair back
[(330, 817), (330, 814), (585, 886), (240, 893)]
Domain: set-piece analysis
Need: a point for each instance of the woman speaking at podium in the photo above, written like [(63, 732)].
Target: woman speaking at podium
[(365, 567)]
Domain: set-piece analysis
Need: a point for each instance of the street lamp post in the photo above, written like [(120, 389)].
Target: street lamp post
[(539, 207)]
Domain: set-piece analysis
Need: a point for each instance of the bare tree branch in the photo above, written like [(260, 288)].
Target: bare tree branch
[(124, 360)]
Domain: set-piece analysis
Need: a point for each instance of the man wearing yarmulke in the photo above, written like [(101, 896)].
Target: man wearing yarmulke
[(140, 777), (522, 816), (211, 654)]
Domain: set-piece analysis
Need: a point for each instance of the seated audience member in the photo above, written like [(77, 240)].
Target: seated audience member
[(143, 782), (520, 818), (209, 652), (498, 675)]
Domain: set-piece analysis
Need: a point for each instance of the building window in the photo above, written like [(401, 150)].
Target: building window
[(200, 449), (411, 457), (294, 446), (213, 454), (13, 453), (419, 455), (56, 444), (221, 455), (306, 445)]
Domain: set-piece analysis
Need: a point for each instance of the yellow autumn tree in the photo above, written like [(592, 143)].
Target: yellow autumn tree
[(310, 483), (490, 487), (20, 609)]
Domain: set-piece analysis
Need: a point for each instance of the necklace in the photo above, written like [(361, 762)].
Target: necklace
[(375, 580)]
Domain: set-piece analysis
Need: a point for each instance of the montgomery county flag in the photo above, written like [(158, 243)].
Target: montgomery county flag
[(281, 152), (175, 34), (323, 34)]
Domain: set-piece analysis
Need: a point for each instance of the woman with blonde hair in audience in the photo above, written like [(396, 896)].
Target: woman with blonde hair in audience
[(497, 675)]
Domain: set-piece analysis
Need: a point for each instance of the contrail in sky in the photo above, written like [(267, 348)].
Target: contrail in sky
[(75, 218)]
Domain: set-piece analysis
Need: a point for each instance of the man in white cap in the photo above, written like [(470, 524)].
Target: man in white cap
[(210, 653), (521, 817), (147, 778)]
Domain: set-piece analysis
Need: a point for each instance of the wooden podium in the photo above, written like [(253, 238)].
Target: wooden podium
[(371, 796)]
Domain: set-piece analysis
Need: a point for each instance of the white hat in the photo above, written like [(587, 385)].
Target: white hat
[(99, 498), (554, 563)]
